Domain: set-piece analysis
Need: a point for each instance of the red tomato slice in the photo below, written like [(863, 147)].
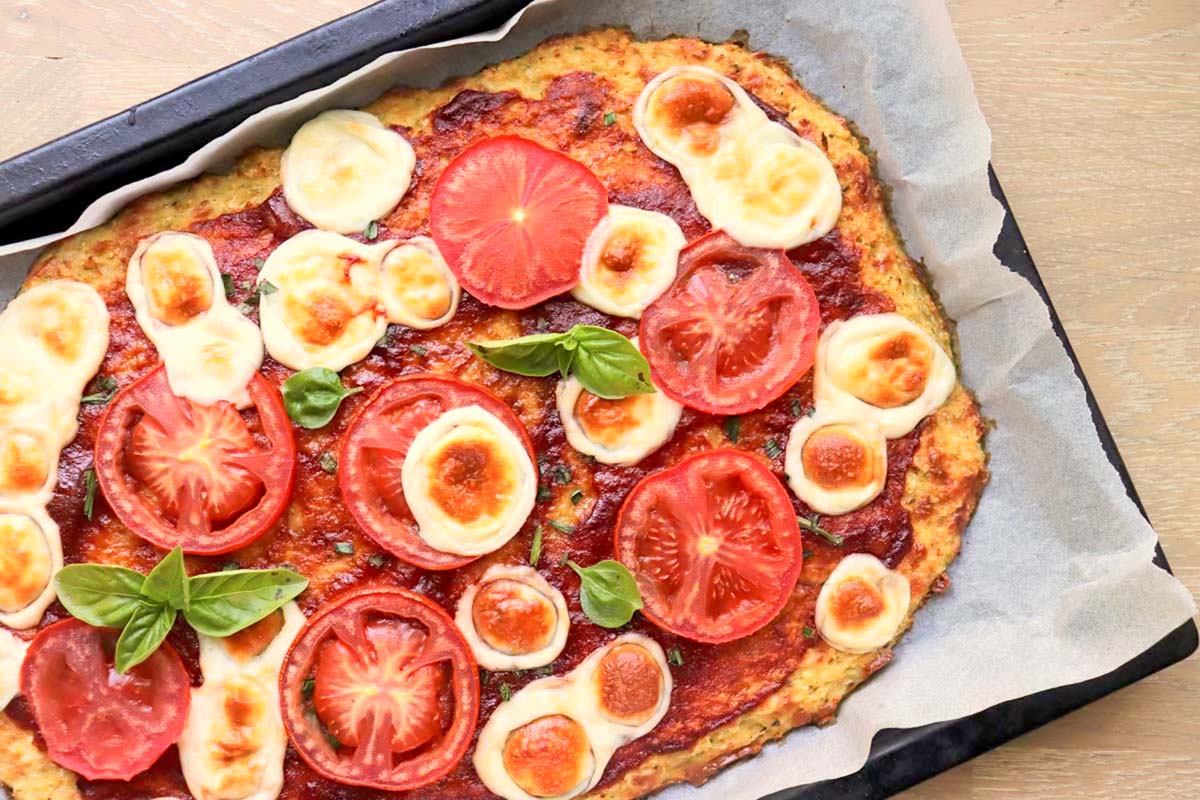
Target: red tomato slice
[(95, 721), (734, 331), (395, 684), (373, 450), (714, 545), (208, 478), (511, 218)]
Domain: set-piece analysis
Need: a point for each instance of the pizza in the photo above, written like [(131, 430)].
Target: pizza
[(571, 430)]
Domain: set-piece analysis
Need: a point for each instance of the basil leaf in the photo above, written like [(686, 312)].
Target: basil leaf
[(223, 603), (535, 355), (609, 365), (312, 396), (607, 592), (99, 594), (167, 583), (144, 632)]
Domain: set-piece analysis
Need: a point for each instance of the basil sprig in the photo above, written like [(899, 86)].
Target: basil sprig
[(312, 396), (608, 593), (605, 362), (145, 606)]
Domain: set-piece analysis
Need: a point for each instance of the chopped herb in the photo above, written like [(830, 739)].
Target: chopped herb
[(610, 118), (812, 526), (328, 462), (372, 231), (419, 349), (675, 657), (377, 560), (244, 308), (543, 493), (561, 526), (345, 548), (266, 287), (333, 740), (578, 47), (733, 428), (544, 671), (564, 558), (796, 407), (259, 264), (105, 387), (576, 496), (561, 474), (772, 447), (89, 491), (808, 632), (485, 677), (230, 566), (307, 688), (542, 323), (588, 458), (227, 284), (812, 411), (505, 692), (246, 286), (535, 549), (807, 554), (385, 339)]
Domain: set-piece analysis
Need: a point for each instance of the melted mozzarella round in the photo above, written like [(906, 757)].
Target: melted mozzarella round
[(835, 466), (549, 757), (12, 655), (621, 431), (630, 258), (28, 465), (883, 368), (861, 604), (417, 287), (30, 555), (629, 682), (325, 311), (210, 350), (469, 482), (513, 619), (344, 169), (755, 178), (233, 745), (63, 327)]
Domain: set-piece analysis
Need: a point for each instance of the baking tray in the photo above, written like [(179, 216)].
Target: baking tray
[(45, 189)]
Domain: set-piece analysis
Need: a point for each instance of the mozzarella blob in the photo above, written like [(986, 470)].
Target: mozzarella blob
[(417, 287), (882, 368), (621, 431), (513, 619), (324, 311), (345, 169), (861, 604), (752, 177), (835, 466), (12, 656), (210, 350), (30, 556), (555, 736), (469, 482), (62, 327), (630, 258), (233, 745)]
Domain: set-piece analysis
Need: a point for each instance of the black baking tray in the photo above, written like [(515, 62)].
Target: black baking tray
[(44, 190)]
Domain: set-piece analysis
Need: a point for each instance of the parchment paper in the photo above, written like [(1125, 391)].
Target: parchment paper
[(1055, 583)]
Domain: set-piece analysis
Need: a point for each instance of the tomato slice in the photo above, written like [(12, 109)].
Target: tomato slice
[(95, 721), (714, 545), (208, 478), (734, 331), (511, 219), (393, 681), (373, 450)]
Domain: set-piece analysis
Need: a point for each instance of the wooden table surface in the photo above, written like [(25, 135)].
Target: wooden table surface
[(1095, 110)]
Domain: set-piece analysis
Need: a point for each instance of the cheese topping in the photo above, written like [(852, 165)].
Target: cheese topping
[(835, 466), (233, 745), (555, 736), (513, 619), (12, 656), (417, 286), (30, 555), (862, 604), (210, 350), (883, 368), (469, 482), (630, 258), (756, 179), (344, 169)]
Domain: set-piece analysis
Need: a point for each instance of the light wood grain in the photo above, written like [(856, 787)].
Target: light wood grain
[(1095, 110)]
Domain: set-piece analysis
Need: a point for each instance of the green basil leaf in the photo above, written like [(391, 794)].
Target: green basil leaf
[(535, 355), (99, 594), (609, 365), (144, 632), (607, 592), (312, 396), (223, 603), (167, 583)]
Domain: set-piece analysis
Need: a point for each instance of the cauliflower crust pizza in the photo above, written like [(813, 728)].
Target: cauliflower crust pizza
[(574, 429)]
